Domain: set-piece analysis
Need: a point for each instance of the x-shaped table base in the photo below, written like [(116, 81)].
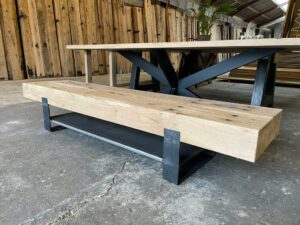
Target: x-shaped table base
[(161, 70)]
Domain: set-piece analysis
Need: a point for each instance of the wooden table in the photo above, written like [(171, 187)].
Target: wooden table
[(161, 69)]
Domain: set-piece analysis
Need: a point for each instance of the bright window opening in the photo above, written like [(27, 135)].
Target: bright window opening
[(283, 4)]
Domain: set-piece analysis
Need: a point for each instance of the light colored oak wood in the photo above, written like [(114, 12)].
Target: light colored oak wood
[(112, 69), (237, 130), (224, 45)]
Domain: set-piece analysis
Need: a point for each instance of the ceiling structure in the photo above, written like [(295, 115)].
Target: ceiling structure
[(260, 12)]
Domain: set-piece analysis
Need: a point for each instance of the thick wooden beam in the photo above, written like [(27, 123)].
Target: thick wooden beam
[(241, 131)]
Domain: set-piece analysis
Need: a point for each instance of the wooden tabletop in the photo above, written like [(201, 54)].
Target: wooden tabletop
[(290, 44)]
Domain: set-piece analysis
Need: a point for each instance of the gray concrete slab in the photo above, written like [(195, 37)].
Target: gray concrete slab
[(67, 178)]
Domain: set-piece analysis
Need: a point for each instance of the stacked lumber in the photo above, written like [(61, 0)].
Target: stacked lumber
[(34, 33), (288, 65), (283, 76), (241, 131)]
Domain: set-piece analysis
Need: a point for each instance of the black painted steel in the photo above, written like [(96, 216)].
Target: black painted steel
[(171, 156), (180, 160), (187, 93), (154, 71), (270, 84), (225, 66), (264, 86), (155, 83), (46, 114), (188, 64), (135, 77), (177, 164), (163, 60), (162, 71)]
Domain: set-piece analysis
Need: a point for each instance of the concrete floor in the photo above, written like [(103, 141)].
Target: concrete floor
[(67, 178)]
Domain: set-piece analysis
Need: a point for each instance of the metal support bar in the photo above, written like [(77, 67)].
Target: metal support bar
[(135, 77), (270, 84), (179, 160), (155, 83), (177, 164), (225, 66), (46, 114), (263, 91), (162, 59), (187, 93), (154, 71)]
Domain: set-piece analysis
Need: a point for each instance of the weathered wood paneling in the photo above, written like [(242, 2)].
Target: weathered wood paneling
[(35, 33), (3, 67), (30, 62), (11, 39), (64, 36)]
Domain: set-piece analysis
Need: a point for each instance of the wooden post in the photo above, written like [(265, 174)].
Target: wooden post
[(88, 66), (112, 69)]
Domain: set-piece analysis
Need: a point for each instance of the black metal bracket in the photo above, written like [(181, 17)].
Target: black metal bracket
[(178, 165), (47, 117)]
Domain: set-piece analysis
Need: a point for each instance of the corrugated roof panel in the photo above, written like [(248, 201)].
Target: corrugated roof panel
[(257, 7)]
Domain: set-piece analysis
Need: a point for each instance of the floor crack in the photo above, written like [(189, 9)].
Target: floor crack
[(73, 210)]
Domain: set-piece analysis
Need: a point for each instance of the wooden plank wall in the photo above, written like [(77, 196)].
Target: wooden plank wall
[(34, 33)]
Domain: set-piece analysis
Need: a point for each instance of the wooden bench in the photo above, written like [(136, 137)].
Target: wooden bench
[(236, 130)]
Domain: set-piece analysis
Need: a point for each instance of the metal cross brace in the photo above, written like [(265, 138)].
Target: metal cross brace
[(161, 69)]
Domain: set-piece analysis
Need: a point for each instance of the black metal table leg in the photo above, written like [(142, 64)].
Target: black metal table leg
[(149, 68), (263, 91), (270, 85), (135, 77), (161, 58), (155, 83)]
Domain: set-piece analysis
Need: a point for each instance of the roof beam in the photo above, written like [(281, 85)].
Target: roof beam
[(244, 6), (264, 12), (268, 23)]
